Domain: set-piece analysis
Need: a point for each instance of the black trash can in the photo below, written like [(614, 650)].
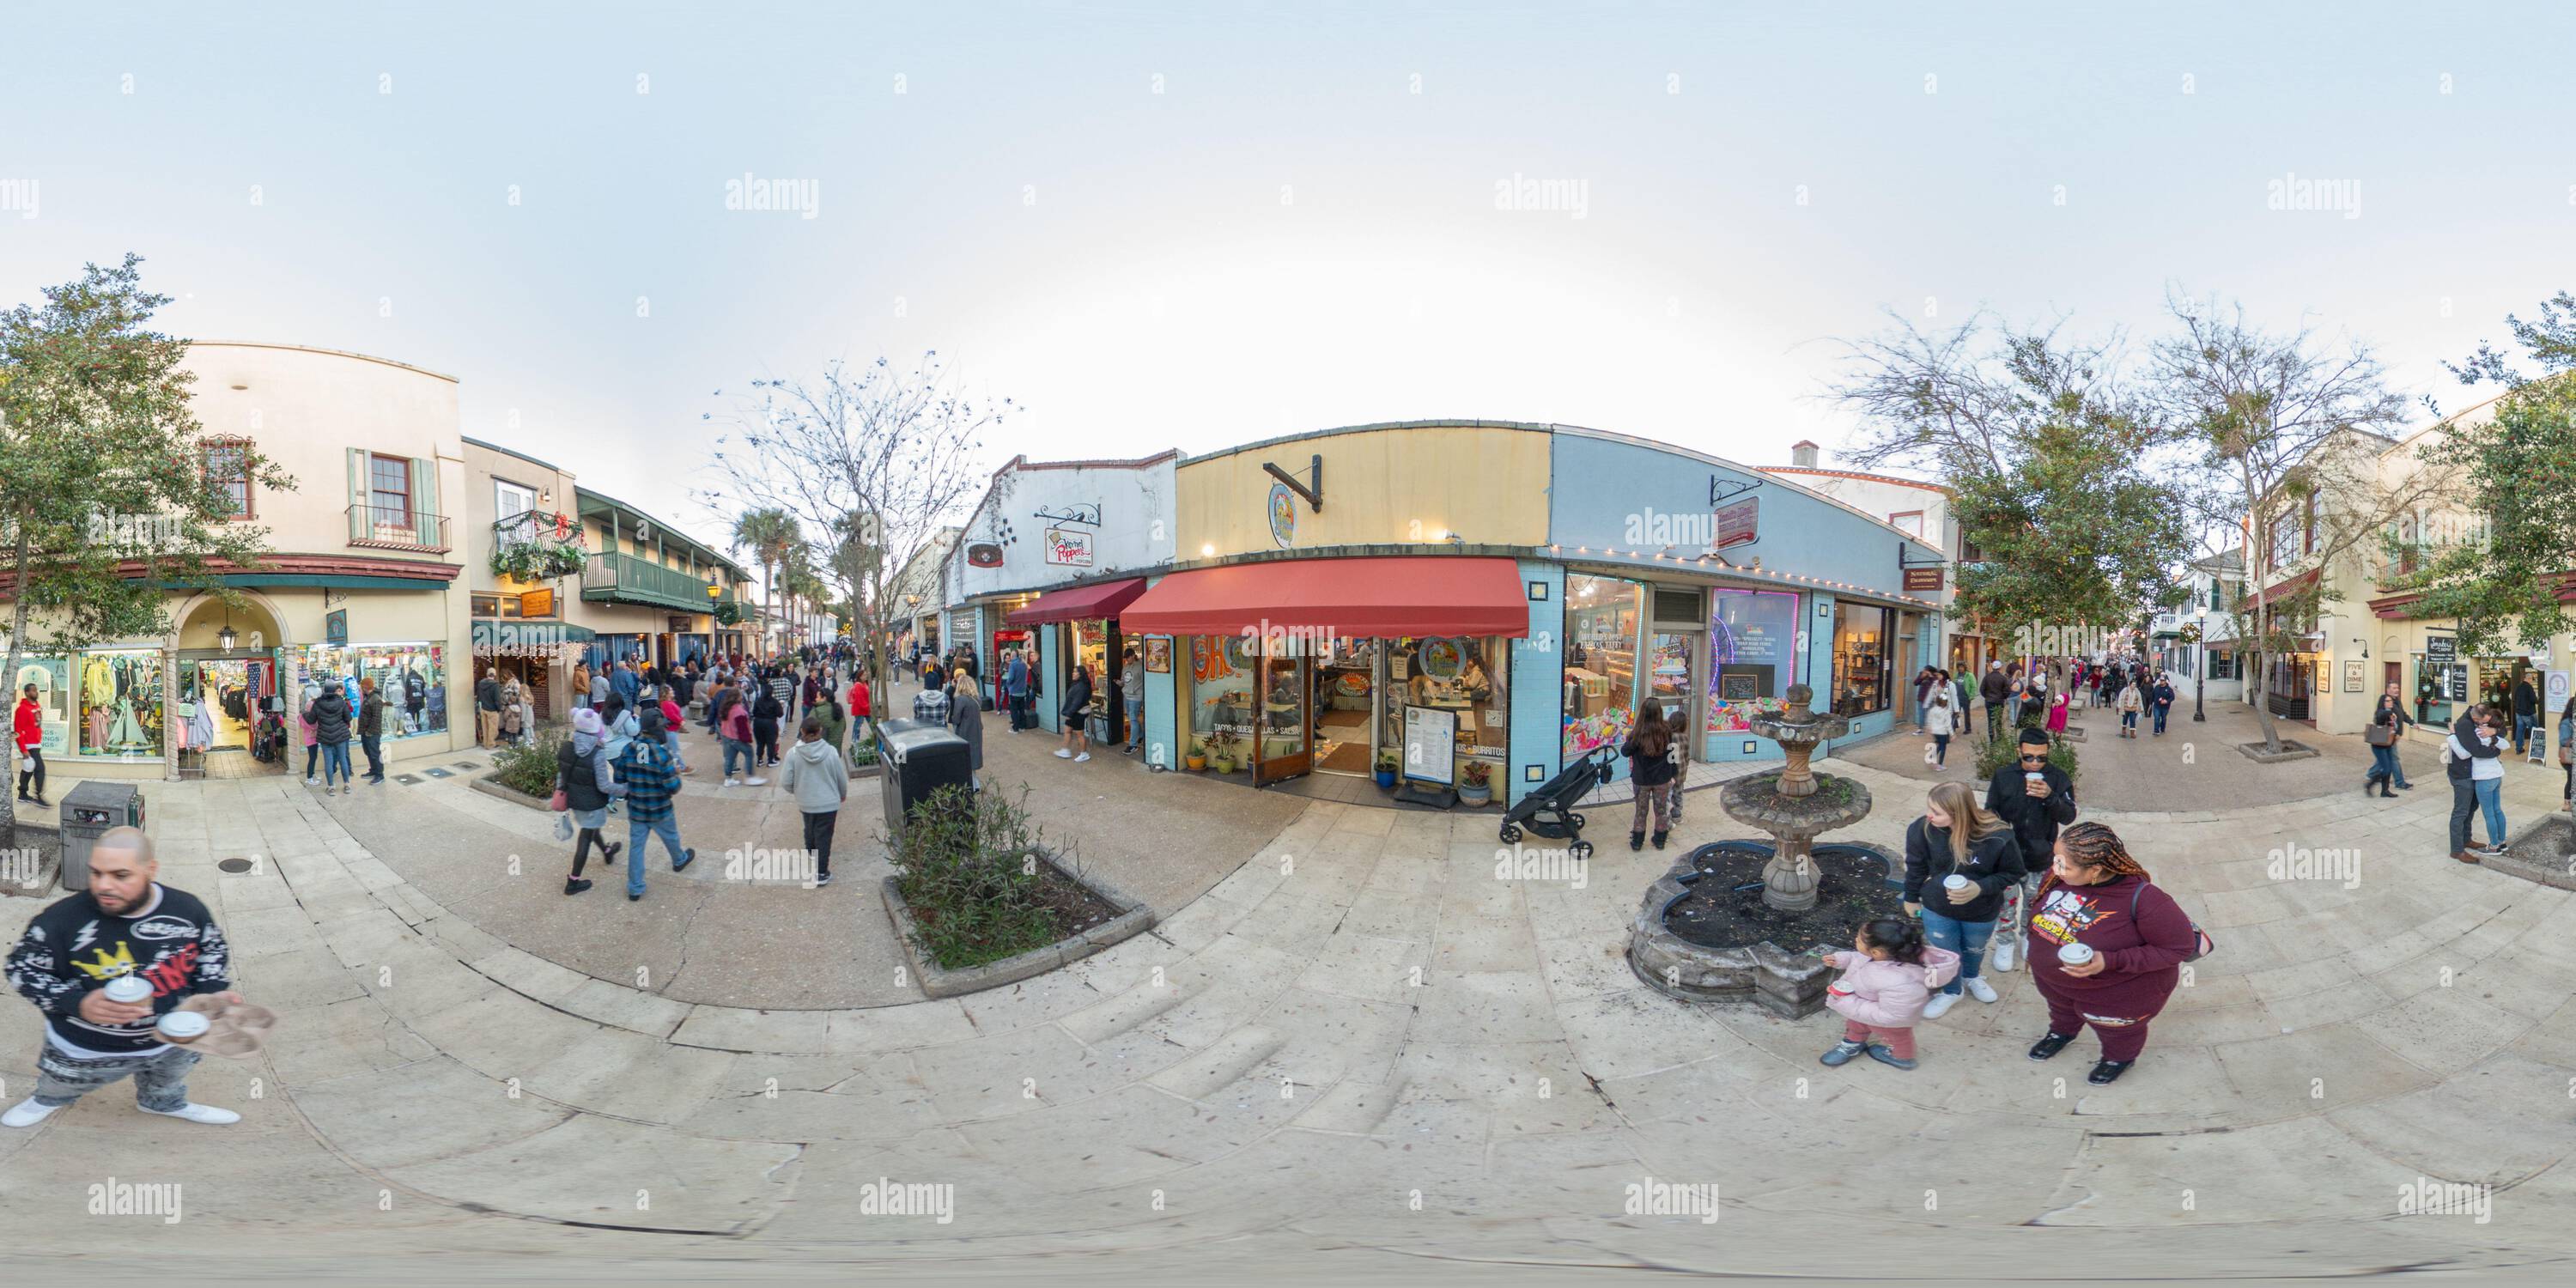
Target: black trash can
[(916, 758), (86, 814)]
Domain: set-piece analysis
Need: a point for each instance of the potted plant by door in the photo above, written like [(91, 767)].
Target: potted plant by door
[(1197, 757), (1221, 751), (1475, 783), (1386, 765)]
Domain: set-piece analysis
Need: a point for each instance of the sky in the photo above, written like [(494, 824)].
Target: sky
[(1192, 225)]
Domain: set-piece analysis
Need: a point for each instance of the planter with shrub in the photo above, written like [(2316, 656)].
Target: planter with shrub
[(978, 900), (1476, 782), (524, 773), (1386, 767)]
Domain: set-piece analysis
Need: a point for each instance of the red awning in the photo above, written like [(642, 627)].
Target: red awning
[(1343, 598), (2291, 585), (1082, 603)]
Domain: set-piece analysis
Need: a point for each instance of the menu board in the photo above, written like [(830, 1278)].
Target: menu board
[(1431, 744)]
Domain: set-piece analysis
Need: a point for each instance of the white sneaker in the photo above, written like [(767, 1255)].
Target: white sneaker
[(1062, 754), (27, 1113), (755, 782), (1083, 757), (311, 781), (1939, 1005), (1980, 990), (195, 1113)]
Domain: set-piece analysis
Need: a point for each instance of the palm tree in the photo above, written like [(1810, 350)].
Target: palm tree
[(770, 534)]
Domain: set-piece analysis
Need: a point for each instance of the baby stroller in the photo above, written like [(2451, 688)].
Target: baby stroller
[(1549, 811)]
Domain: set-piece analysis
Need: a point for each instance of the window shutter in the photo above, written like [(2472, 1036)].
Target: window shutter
[(360, 528), (424, 501)]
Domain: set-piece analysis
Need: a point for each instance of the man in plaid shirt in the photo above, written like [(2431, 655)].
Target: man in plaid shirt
[(931, 704), (651, 783)]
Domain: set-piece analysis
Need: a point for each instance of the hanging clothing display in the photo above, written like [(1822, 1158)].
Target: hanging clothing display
[(121, 710)]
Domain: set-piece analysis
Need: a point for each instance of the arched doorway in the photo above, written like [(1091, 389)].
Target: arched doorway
[(229, 690)]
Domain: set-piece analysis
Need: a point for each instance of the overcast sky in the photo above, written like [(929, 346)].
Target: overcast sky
[(1160, 225)]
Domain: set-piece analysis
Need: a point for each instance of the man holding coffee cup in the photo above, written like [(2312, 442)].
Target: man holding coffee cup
[(2035, 797), (109, 967)]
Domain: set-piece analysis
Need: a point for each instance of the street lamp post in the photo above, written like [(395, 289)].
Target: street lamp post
[(2200, 663)]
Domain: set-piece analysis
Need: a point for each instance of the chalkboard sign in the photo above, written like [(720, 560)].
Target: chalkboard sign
[(1431, 744), (2440, 651)]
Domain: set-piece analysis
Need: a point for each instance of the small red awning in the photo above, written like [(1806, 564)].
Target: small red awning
[(1366, 598), (2291, 585), (1082, 603)]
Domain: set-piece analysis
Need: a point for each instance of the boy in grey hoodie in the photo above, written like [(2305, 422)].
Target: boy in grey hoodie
[(821, 781)]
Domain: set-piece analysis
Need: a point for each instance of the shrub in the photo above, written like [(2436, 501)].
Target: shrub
[(530, 768), (967, 866)]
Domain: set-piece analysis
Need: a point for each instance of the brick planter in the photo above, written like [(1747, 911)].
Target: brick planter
[(1133, 919)]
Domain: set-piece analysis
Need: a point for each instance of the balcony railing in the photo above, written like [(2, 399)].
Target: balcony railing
[(537, 525), (386, 527), (623, 577)]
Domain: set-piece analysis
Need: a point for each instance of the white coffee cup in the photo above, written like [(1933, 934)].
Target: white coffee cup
[(183, 1026), (2075, 954), (1956, 882), (2034, 776), (128, 989)]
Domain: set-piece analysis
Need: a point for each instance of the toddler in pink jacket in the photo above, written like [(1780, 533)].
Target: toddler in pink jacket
[(1884, 985)]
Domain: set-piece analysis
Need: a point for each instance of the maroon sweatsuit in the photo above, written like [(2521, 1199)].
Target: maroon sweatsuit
[(2142, 959)]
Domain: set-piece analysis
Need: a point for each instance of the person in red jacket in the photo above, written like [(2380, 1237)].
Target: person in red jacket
[(2098, 896), (29, 722)]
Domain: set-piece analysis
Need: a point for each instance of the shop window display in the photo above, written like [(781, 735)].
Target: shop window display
[(1465, 675), (1601, 622), (1752, 639), (412, 678), (120, 700), (1863, 636), (52, 678), (1221, 697)]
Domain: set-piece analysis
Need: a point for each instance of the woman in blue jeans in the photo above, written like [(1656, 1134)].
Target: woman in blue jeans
[(1957, 837), (2470, 756)]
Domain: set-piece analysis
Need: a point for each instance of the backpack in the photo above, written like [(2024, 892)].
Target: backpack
[(2201, 944)]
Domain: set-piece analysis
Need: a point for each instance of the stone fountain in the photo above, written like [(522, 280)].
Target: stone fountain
[(1792, 804)]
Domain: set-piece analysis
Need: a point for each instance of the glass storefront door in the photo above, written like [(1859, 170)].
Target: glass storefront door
[(1669, 656), (1284, 740)]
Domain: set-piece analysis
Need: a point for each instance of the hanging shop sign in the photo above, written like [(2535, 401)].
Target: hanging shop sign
[(2441, 651), (1739, 523), (1923, 579), (984, 554), (335, 627), (1068, 548), (1282, 507)]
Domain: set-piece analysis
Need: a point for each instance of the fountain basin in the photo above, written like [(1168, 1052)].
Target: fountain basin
[(1671, 952)]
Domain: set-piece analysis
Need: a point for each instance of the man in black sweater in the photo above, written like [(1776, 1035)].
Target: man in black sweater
[(2037, 799), (2526, 712), (124, 925)]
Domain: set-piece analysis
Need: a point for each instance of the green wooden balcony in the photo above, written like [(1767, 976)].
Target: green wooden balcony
[(625, 579)]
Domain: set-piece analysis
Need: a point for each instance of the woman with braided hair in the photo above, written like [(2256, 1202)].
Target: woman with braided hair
[(2134, 938)]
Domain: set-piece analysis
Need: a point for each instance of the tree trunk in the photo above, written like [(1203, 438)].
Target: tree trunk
[(2262, 705)]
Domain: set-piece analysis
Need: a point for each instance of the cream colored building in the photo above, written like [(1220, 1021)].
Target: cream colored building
[(362, 580)]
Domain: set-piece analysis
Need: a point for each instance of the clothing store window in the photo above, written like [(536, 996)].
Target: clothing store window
[(227, 467), (411, 677), (120, 703), (389, 480), (1863, 638), (1602, 619)]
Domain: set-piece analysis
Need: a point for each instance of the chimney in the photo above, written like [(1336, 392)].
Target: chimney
[(1802, 454)]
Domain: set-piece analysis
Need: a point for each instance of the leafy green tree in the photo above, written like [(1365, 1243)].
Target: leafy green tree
[(105, 504), (2515, 470), (2289, 432), (2058, 475)]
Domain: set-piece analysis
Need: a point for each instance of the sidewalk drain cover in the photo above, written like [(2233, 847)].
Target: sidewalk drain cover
[(408, 780), (435, 772), (234, 865), (467, 764)]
